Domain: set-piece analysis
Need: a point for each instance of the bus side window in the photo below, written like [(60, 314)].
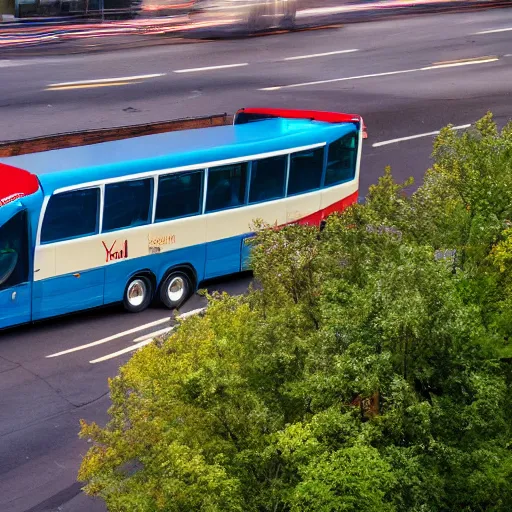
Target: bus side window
[(179, 195), (127, 204), (341, 160), (268, 179), (226, 187), (305, 171), (71, 215)]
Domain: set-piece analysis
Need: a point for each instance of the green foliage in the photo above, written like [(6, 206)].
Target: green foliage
[(353, 478), (368, 371)]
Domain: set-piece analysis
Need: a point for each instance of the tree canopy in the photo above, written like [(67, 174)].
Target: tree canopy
[(369, 370)]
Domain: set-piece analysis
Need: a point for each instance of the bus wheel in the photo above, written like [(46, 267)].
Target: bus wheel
[(137, 295), (175, 289)]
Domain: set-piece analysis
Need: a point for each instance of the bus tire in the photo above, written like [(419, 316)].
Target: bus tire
[(137, 295), (175, 289)]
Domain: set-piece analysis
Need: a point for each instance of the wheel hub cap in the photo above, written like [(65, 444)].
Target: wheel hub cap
[(137, 292), (176, 289)]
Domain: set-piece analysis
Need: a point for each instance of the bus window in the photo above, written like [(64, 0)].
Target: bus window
[(70, 215), (179, 195), (14, 251), (268, 179), (127, 204), (305, 171), (341, 160), (226, 187)]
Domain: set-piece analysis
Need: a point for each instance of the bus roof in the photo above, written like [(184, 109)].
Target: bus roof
[(73, 166), (15, 183)]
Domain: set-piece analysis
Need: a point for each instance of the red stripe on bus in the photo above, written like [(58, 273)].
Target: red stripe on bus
[(317, 115), (317, 217)]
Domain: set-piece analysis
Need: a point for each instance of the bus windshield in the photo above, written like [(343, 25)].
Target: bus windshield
[(13, 251)]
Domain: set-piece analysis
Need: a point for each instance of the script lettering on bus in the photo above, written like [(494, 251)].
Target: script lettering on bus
[(114, 252), (11, 198), (156, 242)]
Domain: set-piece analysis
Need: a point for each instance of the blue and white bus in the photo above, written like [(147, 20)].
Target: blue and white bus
[(153, 216)]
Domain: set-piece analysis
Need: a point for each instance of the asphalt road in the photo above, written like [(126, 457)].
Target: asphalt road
[(408, 77)]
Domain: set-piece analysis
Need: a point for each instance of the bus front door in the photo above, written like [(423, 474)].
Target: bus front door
[(15, 286)]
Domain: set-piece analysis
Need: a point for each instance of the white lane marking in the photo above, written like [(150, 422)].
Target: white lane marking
[(332, 80), (393, 141), (107, 80), (152, 335), (9, 64), (191, 313), (146, 339), (373, 75), (110, 338), (313, 55), (6, 63), (169, 329), (456, 64), (493, 31), (320, 10), (122, 351), (208, 68), (14, 63)]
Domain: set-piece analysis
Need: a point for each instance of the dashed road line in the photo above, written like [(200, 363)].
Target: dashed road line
[(388, 73), (10, 63), (461, 62), (493, 31), (314, 55), (89, 86), (316, 11), (106, 80), (209, 68), (101, 82), (410, 137), (332, 80)]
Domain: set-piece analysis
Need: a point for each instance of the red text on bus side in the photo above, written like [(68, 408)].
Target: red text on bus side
[(11, 198), (118, 254)]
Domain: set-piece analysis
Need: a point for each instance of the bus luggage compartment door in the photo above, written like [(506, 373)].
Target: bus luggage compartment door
[(15, 305), (68, 293)]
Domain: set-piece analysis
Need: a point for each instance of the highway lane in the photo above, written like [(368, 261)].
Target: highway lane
[(71, 38), (42, 398), (28, 108)]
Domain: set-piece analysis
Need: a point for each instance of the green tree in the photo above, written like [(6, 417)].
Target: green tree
[(363, 373)]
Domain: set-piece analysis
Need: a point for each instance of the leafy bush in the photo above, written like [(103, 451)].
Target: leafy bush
[(368, 372)]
